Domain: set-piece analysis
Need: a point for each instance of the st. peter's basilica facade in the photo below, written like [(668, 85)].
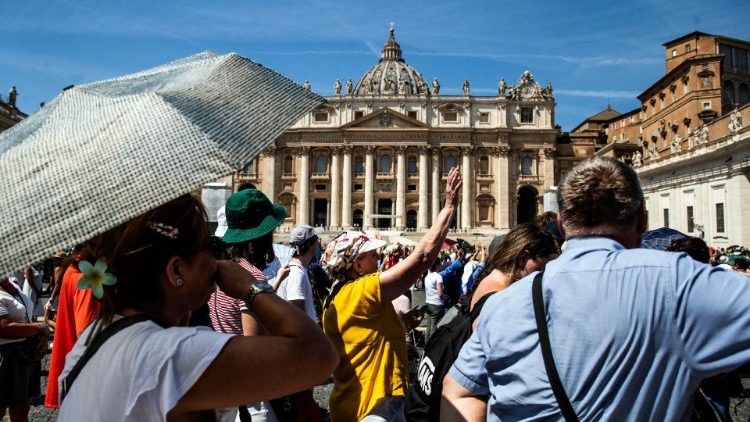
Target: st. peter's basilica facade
[(377, 153)]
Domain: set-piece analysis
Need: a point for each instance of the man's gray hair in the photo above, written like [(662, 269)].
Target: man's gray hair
[(600, 196)]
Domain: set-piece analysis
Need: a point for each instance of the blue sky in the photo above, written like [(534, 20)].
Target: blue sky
[(593, 52)]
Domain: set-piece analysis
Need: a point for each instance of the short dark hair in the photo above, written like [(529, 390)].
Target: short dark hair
[(600, 196), (693, 246)]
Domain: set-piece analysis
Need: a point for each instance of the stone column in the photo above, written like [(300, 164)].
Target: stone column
[(437, 179), (467, 202), (369, 186), (346, 205), (335, 222), (269, 172), (549, 168), (502, 197), (304, 186), (422, 223), (400, 222)]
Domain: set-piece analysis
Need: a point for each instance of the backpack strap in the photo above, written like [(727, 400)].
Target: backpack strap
[(98, 341), (549, 363), (478, 307)]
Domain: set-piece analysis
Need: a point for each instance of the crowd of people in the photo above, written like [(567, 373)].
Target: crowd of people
[(573, 316)]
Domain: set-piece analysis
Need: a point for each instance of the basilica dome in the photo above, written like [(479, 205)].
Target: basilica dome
[(391, 75)]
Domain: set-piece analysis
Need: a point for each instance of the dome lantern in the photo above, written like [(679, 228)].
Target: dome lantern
[(391, 75)]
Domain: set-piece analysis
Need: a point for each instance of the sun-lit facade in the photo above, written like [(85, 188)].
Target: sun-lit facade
[(377, 153)]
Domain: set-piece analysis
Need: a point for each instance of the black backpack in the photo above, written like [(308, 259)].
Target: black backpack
[(423, 398)]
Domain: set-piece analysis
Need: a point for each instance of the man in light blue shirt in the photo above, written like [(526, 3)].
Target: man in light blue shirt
[(632, 331)]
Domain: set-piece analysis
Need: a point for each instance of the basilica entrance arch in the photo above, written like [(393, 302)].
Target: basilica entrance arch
[(320, 212), (385, 207), (411, 219), (526, 209), (357, 219)]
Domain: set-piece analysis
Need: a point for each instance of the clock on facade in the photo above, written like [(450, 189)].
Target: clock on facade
[(527, 91)]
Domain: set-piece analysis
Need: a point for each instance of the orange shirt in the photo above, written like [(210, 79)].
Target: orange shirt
[(75, 310)]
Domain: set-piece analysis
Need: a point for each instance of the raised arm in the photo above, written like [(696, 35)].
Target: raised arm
[(397, 279), (295, 356)]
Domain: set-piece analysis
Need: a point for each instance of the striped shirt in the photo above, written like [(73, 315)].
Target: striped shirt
[(225, 311)]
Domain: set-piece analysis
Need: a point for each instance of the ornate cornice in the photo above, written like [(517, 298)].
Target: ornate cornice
[(269, 151), (501, 151), (302, 151)]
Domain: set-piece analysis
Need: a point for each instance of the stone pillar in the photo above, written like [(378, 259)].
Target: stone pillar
[(304, 185), (335, 222), (467, 202), (422, 223), (269, 172), (437, 178), (549, 168), (502, 197), (400, 222), (346, 205), (369, 187)]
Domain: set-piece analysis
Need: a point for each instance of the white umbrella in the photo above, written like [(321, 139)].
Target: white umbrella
[(102, 153)]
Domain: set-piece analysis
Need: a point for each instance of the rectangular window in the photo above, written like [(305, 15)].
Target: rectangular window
[(687, 48), (527, 115), (412, 114), (707, 105), (358, 114), (320, 187), (450, 116), (740, 58), (727, 52), (720, 218), (484, 117), (690, 219), (358, 186), (666, 217), (411, 188), (321, 116)]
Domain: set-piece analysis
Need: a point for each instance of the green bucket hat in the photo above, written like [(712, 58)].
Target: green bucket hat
[(251, 215)]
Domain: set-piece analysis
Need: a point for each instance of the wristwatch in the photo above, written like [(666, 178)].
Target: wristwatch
[(255, 289)]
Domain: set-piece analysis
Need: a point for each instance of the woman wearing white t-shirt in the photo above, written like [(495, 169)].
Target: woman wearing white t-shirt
[(151, 272), (433, 290)]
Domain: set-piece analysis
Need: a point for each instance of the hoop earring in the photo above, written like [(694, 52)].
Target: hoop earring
[(179, 281)]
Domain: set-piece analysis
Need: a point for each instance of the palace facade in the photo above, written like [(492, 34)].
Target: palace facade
[(377, 153), (689, 140)]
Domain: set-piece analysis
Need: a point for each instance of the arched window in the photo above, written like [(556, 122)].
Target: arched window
[(527, 166), (359, 165), (411, 166), (744, 94), (484, 165), (449, 161), (288, 165), (385, 164), (729, 92), (321, 164)]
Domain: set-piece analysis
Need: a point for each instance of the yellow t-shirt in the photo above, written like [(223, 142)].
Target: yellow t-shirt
[(371, 345)]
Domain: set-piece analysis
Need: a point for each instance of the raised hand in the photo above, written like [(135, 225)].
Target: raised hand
[(453, 186)]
